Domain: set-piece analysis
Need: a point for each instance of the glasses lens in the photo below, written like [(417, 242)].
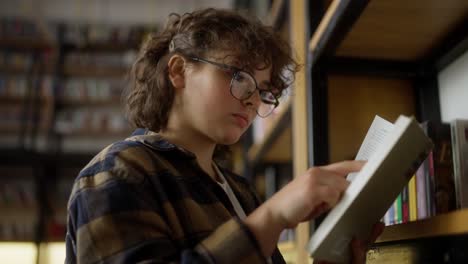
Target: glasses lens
[(242, 85), (265, 110), (267, 97)]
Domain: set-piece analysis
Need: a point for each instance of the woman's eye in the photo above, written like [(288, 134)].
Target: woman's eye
[(267, 97), (238, 77)]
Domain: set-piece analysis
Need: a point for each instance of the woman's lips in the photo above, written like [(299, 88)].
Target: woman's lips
[(241, 120)]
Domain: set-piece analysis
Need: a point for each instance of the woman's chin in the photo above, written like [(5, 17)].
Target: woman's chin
[(229, 138)]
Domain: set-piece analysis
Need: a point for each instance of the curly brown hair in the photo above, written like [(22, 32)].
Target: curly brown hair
[(150, 96)]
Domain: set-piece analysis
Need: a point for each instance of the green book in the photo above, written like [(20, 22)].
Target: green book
[(398, 210)]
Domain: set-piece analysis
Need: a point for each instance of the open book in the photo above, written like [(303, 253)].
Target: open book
[(394, 152)]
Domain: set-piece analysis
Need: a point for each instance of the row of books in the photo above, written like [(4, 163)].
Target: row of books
[(18, 204), (15, 60), (92, 89), (18, 193), (440, 184), (56, 226), (13, 86), (17, 230), (18, 85), (101, 33), (82, 120), (80, 89), (12, 116), (115, 60), (18, 27)]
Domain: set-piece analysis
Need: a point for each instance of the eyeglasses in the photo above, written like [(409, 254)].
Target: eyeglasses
[(243, 85)]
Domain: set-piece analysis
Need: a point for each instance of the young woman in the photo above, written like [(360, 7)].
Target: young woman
[(160, 195)]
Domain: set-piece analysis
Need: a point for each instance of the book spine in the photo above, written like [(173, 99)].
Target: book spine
[(413, 205), (430, 190), (456, 163), (404, 205), (421, 186), (397, 210), (460, 161), (386, 218), (391, 215), (441, 169)]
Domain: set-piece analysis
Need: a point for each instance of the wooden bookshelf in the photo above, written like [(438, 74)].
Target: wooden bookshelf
[(117, 47), (20, 211), (10, 128), (351, 111), (13, 69), (366, 50), (94, 71), (449, 224), (97, 134), (367, 32), (7, 99), (26, 43), (89, 102), (413, 29)]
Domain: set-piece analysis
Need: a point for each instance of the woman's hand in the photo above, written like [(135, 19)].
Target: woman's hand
[(313, 193), (304, 198)]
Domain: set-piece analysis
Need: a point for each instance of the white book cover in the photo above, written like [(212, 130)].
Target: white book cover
[(393, 155), (459, 129)]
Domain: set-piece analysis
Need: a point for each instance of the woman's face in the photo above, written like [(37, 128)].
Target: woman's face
[(208, 105)]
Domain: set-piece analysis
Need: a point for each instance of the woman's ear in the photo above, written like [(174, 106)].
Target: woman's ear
[(176, 69)]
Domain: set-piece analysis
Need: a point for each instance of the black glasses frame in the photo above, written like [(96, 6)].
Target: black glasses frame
[(235, 71)]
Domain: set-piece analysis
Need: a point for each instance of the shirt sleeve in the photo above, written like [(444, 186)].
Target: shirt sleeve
[(114, 217)]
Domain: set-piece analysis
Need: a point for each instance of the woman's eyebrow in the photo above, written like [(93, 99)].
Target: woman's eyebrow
[(267, 86), (266, 83)]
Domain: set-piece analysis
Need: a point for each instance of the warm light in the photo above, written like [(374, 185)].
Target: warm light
[(52, 253), (16, 252)]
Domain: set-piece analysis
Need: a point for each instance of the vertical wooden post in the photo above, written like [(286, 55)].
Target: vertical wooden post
[(299, 39)]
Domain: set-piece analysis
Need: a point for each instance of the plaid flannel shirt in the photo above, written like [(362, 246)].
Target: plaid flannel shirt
[(145, 200)]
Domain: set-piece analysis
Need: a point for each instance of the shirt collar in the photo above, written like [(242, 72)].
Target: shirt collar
[(155, 141)]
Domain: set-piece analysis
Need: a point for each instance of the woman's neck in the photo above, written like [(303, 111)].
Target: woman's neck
[(202, 147)]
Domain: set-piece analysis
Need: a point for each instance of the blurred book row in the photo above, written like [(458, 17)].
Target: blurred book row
[(13, 27), (91, 121), (75, 34), (440, 185), (60, 90), (18, 204), (71, 87), (92, 90)]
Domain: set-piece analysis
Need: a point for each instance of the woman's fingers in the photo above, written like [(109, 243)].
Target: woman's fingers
[(345, 167)]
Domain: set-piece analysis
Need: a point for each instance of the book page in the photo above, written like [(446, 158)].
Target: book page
[(376, 134)]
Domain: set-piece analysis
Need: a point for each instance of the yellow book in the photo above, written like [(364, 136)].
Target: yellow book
[(412, 199)]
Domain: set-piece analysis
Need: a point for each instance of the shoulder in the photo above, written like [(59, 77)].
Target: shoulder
[(120, 156), (126, 162)]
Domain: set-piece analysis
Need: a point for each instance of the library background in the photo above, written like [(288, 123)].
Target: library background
[(63, 67)]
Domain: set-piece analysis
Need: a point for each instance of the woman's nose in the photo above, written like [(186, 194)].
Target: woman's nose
[(253, 101)]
